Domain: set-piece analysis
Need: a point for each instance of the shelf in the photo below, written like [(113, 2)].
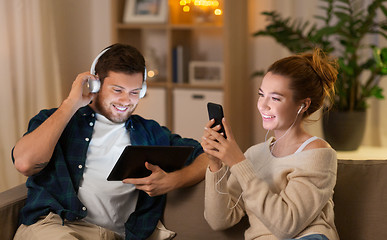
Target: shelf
[(224, 40), (196, 26), (156, 83), (164, 84), (202, 86), (161, 26), (164, 26), (364, 153)]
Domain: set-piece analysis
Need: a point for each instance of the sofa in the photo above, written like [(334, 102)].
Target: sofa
[(360, 206)]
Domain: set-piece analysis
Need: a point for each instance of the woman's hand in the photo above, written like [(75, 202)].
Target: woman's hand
[(219, 148), (215, 163)]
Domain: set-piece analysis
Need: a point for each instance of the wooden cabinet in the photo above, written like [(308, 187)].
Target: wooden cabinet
[(153, 105), (221, 40), (190, 110)]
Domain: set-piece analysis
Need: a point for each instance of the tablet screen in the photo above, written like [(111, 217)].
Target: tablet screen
[(131, 163)]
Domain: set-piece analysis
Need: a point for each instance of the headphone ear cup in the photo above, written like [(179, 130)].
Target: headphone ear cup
[(143, 90), (144, 86), (94, 85)]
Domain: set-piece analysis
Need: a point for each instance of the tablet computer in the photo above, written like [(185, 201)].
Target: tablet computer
[(131, 163)]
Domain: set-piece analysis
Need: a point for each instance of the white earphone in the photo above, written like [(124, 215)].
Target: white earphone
[(299, 110), (95, 84)]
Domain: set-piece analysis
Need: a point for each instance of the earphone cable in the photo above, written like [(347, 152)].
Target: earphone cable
[(287, 131), (229, 199)]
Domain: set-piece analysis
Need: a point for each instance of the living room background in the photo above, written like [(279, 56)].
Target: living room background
[(45, 44)]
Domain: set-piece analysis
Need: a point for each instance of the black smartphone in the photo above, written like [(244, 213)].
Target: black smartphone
[(215, 111)]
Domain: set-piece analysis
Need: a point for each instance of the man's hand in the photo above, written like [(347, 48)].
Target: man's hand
[(34, 150), (76, 96), (158, 183)]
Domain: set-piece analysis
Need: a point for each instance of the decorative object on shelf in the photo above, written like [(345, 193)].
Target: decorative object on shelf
[(206, 72), (204, 10), (145, 11), (343, 33)]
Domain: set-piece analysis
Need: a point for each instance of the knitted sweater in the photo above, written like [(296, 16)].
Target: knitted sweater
[(284, 197)]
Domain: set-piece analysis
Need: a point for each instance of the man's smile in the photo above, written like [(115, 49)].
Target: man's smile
[(120, 108)]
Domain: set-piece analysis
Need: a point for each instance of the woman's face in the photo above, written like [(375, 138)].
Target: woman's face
[(276, 104)]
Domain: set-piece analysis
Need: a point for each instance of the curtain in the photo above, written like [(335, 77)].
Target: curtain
[(30, 74)]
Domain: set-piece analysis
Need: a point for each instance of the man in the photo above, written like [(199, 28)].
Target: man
[(68, 152)]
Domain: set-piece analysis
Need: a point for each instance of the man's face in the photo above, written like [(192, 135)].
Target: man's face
[(118, 96)]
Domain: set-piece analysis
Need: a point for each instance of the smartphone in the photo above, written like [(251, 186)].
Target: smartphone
[(215, 111)]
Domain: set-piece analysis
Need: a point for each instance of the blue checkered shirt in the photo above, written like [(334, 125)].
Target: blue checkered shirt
[(55, 188)]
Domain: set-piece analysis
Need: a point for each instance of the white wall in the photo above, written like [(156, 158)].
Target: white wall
[(83, 30)]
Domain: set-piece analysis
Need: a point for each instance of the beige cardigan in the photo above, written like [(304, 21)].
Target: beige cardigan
[(284, 197)]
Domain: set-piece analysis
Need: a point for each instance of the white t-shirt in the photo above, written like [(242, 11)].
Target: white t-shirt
[(109, 203)]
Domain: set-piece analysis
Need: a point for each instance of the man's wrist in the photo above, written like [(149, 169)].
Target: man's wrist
[(69, 105)]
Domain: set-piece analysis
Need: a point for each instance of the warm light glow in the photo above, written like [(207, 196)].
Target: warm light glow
[(151, 73), (186, 9), (204, 5), (218, 12)]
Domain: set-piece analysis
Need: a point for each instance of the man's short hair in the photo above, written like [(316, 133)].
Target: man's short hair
[(120, 58)]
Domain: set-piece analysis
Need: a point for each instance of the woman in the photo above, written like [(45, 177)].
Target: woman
[(285, 184)]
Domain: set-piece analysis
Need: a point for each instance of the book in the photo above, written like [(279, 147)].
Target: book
[(178, 64)]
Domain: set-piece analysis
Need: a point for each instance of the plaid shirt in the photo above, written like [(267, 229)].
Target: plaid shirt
[(55, 188)]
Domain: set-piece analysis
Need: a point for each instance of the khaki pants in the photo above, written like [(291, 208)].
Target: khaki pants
[(51, 227)]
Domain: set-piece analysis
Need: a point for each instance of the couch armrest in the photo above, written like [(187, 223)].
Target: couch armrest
[(11, 201)]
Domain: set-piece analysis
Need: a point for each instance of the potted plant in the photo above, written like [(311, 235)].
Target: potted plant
[(342, 33)]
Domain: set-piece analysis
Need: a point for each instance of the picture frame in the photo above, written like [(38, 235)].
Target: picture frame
[(145, 11), (206, 72)]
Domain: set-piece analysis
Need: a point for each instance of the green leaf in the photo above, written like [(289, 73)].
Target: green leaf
[(377, 92), (343, 16), (258, 73), (321, 18), (384, 10), (370, 63)]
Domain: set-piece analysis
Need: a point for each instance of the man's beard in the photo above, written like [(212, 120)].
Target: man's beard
[(106, 111)]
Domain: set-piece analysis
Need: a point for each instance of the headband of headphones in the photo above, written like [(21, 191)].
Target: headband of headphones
[(92, 71)]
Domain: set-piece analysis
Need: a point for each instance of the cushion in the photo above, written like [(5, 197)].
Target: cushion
[(361, 199)]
